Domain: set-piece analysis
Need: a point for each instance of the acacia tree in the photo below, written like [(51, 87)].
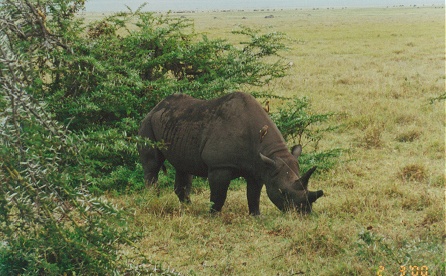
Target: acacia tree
[(101, 79), (46, 225), (49, 222)]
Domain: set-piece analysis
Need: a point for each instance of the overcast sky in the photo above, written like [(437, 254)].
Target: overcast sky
[(175, 5)]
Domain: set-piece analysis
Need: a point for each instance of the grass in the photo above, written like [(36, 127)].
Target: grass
[(384, 203)]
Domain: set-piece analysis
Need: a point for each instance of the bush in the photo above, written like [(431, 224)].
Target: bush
[(298, 124), (49, 223), (102, 84)]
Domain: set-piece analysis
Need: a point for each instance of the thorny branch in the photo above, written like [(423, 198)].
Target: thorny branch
[(36, 196)]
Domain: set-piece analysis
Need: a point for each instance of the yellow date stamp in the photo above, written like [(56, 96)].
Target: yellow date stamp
[(411, 270)]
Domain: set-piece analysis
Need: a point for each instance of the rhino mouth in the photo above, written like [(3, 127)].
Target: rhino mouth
[(286, 202)]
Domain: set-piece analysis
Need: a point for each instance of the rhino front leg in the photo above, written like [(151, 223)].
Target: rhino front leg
[(183, 183), (253, 190), (152, 160), (219, 183)]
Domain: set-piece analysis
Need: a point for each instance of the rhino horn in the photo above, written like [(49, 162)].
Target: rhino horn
[(304, 179), (267, 160), (312, 196)]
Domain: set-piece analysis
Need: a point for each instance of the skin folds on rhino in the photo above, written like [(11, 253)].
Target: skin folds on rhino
[(223, 139)]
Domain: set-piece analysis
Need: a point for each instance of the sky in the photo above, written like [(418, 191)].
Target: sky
[(203, 5)]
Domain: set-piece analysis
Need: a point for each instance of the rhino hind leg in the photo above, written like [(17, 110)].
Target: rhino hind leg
[(219, 183), (183, 183)]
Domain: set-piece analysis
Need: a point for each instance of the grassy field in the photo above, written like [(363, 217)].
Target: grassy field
[(384, 203)]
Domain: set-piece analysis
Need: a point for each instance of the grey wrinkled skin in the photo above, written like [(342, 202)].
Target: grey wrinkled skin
[(219, 139)]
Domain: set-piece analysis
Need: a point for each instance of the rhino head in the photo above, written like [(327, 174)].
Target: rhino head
[(284, 187)]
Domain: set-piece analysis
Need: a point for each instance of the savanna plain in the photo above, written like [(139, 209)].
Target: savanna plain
[(383, 210)]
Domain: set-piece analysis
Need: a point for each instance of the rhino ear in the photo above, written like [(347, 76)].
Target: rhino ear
[(296, 151), (312, 196), (306, 177), (267, 160)]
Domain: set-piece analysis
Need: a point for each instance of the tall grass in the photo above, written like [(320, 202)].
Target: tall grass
[(384, 204)]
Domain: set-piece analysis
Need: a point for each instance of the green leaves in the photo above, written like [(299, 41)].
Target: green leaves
[(49, 223), (297, 123), (261, 45), (125, 64)]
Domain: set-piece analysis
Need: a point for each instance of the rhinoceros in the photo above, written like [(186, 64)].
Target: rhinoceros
[(222, 139)]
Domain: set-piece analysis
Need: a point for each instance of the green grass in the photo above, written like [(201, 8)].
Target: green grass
[(384, 203)]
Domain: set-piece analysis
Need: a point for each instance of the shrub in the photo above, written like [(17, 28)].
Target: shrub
[(49, 223), (299, 125), (103, 83)]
